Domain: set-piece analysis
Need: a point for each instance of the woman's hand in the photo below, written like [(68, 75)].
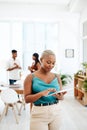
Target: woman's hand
[(47, 91), (60, 96)]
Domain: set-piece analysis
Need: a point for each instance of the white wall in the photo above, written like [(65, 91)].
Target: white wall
[(84, 14), (83, 18), (44, 13), (70, 40)]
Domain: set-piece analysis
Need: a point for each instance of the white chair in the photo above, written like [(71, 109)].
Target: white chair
[(10, 99), (22, 102), (21, 96)]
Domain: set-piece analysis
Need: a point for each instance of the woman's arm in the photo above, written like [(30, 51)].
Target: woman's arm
[(60, 96), (59, 81), (30, 68)]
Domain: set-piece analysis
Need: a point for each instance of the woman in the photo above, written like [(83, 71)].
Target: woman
[(36, 65), (45, 113)]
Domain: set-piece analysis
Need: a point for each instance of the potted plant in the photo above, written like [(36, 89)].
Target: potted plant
[(84, 88), (84, 64), (85, 67), (85, 85), (65, 78), (79, 72)]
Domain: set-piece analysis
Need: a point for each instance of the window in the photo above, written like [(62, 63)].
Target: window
[(37, 37)]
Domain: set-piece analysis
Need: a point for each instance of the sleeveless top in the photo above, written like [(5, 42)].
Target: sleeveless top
[(39, 85)]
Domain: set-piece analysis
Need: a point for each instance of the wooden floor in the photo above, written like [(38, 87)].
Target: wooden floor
[(74, 116)]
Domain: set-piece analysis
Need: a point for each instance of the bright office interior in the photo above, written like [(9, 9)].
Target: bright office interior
[(34, 25)]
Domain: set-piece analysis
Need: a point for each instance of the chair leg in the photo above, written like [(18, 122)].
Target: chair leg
[(17, 109), (22, 104), (4, 112), (13, 108), (20, 109)]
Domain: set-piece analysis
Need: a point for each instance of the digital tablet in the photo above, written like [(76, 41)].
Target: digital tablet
[(60, 91)]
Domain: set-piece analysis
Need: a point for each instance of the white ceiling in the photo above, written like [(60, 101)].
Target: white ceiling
[(69, 5), (62, 5), (63, 2)]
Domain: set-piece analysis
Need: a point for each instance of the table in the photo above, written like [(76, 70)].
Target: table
[(17, 87)]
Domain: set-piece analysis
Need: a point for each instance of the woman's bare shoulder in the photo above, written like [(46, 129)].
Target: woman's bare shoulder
[(56, 75), (29, 76)]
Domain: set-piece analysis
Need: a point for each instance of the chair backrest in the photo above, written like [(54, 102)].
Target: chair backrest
[(9, 96)]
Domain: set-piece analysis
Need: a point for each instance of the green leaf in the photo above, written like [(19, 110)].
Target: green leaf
[(65, 78)]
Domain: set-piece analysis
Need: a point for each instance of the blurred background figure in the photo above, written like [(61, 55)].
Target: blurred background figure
[(36, 64), (13, 66)]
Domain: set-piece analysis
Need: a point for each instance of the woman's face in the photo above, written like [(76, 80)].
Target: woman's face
[(48, 62), (33, 57)]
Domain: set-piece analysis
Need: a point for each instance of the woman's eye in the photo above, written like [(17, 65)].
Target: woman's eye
[(48, 62), (53, 63)]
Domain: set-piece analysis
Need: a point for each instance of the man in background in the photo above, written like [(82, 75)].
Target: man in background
[(13, 66)]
